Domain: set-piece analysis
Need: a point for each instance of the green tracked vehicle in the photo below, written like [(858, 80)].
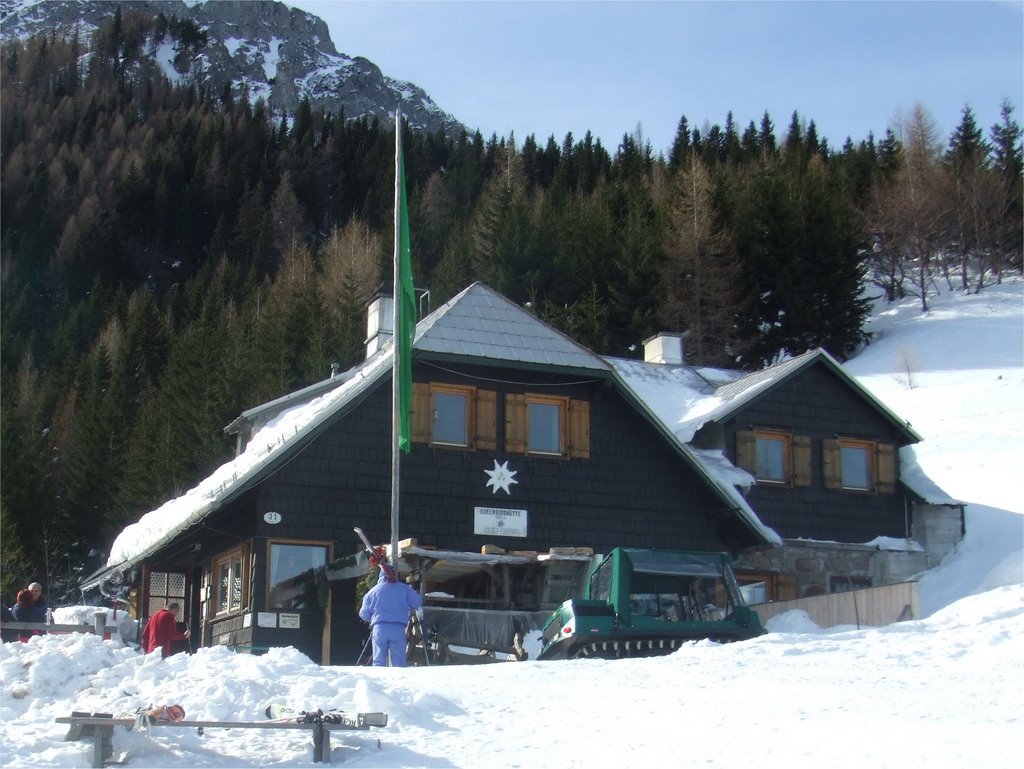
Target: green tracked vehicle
[(641, 603)]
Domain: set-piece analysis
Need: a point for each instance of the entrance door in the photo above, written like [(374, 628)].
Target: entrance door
[(299, 594), (162, 589)]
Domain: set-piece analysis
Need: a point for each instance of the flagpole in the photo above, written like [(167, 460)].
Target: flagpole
[(396, 334)]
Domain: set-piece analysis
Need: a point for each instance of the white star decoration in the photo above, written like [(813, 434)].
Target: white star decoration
[(501, 477)]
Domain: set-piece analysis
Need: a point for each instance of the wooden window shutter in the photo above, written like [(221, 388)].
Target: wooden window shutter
[(515, 423), (485, 420), (579, 429), (746, 450), (421, 415), (801, 460), (885, 462), (831, 464)]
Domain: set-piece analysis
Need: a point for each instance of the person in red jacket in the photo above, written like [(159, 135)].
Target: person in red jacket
[(161, 629)]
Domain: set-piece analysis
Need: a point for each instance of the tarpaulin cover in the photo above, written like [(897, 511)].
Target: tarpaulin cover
[(481, 627)]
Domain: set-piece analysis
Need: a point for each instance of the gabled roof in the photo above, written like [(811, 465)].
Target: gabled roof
[(737, 394), (686, 398), (480, 323)]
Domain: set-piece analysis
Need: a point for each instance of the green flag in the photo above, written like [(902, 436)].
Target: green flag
[(405, 299)]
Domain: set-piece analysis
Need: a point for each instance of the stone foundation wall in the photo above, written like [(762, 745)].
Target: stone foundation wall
[(816, 565)]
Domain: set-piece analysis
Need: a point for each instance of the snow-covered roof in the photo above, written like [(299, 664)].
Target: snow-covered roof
[(683, 397), (913, 476), (269, 445)]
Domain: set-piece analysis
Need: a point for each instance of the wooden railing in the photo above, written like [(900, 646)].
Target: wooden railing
[(99, 626)]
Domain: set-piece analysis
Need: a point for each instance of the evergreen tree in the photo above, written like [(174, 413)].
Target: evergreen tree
[(680, 151), (1008, 162), (967, 172)]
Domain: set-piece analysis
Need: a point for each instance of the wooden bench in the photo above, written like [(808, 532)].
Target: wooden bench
[(100, 727)]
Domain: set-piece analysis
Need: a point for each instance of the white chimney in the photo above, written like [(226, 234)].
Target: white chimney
[(664, 348), (380, 323)]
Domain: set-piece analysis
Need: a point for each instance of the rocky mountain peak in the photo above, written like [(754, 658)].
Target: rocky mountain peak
[(278, 53)]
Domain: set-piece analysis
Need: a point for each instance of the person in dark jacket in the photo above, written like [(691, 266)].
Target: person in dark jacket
[(30, 606), (162, 629), (386, 607)]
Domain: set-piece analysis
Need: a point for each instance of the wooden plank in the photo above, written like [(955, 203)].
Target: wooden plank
[(128, 723), (867, 607), (45, 628)]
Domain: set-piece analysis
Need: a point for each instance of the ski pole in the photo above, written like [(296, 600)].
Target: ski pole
[(359, 659)]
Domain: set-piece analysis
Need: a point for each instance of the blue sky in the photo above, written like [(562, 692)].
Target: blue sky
[(552, 67)]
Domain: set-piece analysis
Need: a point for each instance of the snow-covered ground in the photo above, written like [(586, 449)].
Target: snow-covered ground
[(945, 691)]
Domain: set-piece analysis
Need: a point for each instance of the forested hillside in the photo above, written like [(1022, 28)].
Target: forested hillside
[(171, 257)]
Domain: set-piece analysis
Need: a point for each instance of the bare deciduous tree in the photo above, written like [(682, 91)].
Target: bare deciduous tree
[(701, 270)]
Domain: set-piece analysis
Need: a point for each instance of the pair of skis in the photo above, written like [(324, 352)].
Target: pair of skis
[(378, 557), (285, 714)]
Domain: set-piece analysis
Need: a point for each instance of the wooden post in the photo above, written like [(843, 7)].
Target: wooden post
[(100, 627)]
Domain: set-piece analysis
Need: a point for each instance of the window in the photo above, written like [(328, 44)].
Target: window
[(771, 457), (453, 416), (761, 587), (855, 464), (229, 580), (295, 575), (547, 426), (775, 456), (165, 588)]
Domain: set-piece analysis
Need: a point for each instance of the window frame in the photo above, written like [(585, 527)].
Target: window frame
[(882, 466), (469, 394), (562, 404), (160, 599), (786, 439), (328, 557), (869, 449), (237, 570)]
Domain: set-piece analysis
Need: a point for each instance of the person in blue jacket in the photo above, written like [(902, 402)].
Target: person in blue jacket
[(386, 607)]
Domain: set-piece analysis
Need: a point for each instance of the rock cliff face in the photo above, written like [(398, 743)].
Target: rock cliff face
[(277, 53)]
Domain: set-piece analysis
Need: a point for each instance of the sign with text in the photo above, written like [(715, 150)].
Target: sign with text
[(499, 522)]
